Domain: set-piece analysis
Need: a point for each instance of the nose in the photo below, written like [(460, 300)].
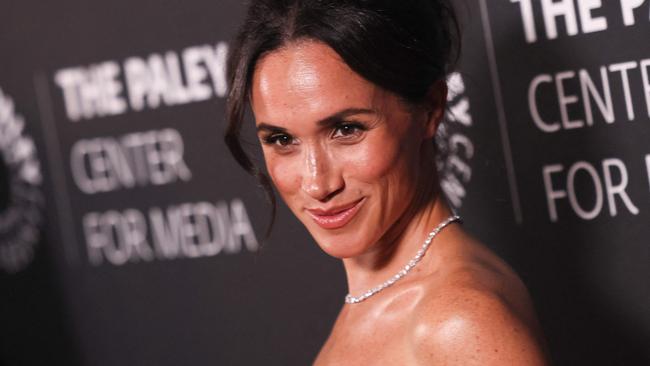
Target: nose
[(321, 178)]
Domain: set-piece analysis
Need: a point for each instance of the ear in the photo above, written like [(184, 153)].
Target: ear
[(435, 102)]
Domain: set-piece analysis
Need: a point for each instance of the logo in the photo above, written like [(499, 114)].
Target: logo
[(455, 150), (21, 197)]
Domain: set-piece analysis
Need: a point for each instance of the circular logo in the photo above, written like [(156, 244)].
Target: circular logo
[(455, 149), (21, 197)]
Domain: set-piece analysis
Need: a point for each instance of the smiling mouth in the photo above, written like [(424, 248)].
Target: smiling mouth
[(337, 217)]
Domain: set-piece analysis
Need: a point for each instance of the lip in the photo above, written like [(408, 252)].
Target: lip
[(335, 217)]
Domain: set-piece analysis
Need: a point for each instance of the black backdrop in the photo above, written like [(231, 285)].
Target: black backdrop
[(129, 237)]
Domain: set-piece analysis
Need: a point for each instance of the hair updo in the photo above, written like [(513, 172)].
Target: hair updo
[(404, 47)]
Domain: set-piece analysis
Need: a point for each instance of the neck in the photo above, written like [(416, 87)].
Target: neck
[(400, 243)]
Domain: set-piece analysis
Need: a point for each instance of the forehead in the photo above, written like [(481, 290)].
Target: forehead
[(308, 78)]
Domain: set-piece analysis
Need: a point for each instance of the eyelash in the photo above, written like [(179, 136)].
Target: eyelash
[(358, 127), (274, 138)]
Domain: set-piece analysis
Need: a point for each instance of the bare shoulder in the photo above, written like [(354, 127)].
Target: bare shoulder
[(476, 311)]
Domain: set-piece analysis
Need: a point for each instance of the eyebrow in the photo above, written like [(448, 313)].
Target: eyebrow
[(327, 121)]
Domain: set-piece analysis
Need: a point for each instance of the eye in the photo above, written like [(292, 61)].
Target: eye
[(348, 129), (279, 139)]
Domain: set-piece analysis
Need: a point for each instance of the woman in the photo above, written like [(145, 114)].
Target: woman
[(347, 96)]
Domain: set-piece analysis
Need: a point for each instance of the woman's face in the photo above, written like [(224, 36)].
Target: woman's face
[(344, 154)]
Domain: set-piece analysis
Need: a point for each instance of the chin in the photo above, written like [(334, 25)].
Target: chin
[(348, 241), (345, 244)]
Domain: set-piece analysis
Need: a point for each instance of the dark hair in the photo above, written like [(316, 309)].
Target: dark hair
[(404, 47)]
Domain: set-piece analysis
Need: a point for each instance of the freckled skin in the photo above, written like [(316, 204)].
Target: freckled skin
[(461, 305)]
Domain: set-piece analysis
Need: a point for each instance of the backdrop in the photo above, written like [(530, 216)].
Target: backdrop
[(128, 236)]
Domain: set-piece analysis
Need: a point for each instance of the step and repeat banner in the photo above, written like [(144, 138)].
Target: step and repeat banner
[(566, 88), (128, 235)]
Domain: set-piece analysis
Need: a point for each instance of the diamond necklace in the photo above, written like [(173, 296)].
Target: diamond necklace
[(407, 268)]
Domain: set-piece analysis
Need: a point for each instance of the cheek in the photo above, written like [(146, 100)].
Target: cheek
[(284, 174), (385, 168), (382, 161)]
